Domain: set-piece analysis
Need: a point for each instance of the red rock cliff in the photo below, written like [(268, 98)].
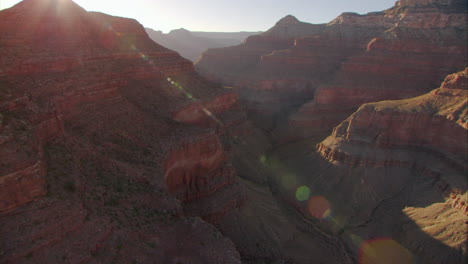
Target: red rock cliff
[(87, 105)]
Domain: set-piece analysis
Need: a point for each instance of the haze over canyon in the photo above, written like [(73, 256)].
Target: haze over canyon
[(343, 142)]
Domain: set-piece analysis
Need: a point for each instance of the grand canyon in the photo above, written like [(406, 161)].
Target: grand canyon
[(343, 142)]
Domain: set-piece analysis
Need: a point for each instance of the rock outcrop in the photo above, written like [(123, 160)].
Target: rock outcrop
[(198, 169)]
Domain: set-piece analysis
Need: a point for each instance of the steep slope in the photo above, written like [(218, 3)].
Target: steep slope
[(391, 179), (90, 110), (191, 45)]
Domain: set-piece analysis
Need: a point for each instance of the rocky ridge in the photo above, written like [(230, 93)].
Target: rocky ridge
[(393, 170), (191, 44)]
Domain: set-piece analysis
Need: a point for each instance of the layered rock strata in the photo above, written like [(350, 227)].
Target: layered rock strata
[(114, 150), (393, 172), (398, 53), (425, 43)]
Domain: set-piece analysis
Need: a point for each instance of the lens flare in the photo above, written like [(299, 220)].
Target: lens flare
[(302, 193), (207, 112), (384, 251), (319, 207), (189, 96)]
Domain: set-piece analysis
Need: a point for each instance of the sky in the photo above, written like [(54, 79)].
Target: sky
[(225, 15)]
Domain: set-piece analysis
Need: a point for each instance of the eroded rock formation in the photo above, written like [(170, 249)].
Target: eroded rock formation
[(426, 136)]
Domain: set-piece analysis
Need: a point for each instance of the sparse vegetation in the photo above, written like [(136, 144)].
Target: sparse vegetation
[(112, 202), (151, 244), (29, 255), (119, 246), (147, 152)]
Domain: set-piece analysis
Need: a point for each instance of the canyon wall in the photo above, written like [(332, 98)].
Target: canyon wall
[(93, 115), (397, 167), (113, 149), (322, 73), (405, 61), (119, 134)]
